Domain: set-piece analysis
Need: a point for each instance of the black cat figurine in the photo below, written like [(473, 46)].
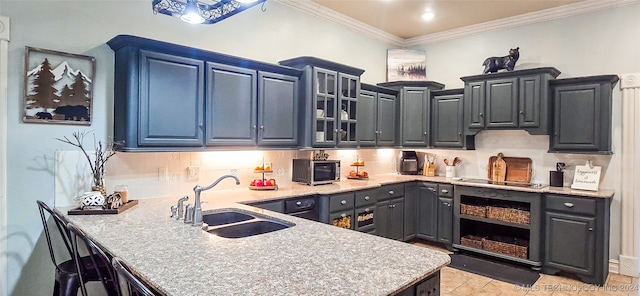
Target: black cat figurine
[(493, 64)]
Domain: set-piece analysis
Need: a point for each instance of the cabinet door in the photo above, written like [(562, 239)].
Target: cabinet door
[(277, 110), (570, 243), (414, 114), (445, 220), (428, 211), (171, 100), (410, 210), (326, 114), (349, 87), (474, 93), (381, 218), (386, 120), (529, 101), (448, 121), (396, 219), (502, 103), (367, 111), (231, 104), (576, 124)]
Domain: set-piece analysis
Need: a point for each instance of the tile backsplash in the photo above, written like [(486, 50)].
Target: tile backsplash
[(167, 173)]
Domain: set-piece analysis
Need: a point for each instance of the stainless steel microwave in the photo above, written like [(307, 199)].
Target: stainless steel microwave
[(315, 172)]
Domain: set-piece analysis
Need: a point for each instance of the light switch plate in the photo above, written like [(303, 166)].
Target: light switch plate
[(193, 172)]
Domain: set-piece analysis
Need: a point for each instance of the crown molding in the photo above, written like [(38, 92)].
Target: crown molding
[(322, 12), (583, 7)]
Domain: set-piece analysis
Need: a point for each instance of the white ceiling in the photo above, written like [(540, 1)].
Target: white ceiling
[(402, 18)]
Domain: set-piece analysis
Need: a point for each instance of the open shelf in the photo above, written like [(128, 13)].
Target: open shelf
[(492, 221), (498, 255)]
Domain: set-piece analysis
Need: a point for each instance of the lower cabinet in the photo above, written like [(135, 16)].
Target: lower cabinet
[(428, 211), (445, 214), (577, 237), (390, 208), (338, 209)]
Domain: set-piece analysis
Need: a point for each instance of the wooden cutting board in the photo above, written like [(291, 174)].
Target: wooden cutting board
[(498, 169), (517, 169)]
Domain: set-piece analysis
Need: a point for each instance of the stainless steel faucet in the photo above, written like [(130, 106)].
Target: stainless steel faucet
[(197, 213)]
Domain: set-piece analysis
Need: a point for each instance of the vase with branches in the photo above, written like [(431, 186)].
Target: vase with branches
[(102, 153)]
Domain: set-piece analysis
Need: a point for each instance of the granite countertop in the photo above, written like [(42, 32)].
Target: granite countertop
[(310, 258)]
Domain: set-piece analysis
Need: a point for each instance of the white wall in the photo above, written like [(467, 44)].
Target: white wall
[(583, 45), (83, 27)]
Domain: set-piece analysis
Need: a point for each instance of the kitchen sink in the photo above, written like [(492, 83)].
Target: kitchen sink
[(236, 223), (225, 217)]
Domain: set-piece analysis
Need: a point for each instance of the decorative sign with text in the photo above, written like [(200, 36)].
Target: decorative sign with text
[(586, 177)]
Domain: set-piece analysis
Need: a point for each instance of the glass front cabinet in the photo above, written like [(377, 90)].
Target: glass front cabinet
[(329, 104)]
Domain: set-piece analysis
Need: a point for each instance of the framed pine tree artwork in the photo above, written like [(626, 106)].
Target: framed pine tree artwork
[(58, 87)]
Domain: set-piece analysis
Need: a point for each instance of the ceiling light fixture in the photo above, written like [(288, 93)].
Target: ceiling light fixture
[(196, 12), (428, 15)]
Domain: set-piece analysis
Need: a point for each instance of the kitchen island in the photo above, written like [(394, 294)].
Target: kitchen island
[(309, 258)]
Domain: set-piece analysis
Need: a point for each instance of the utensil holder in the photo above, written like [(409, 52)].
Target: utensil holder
[(450, 171), (556, 179)]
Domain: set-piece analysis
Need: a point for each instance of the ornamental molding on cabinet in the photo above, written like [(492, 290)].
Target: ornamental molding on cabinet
[(4, 28)]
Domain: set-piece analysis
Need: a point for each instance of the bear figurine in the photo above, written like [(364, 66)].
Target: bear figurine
[(493, 64)]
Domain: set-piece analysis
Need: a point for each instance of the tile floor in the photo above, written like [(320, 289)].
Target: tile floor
[(454, 282)]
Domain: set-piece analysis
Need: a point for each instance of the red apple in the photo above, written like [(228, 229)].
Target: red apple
[(253, 183), (272, 182), (259, 183)]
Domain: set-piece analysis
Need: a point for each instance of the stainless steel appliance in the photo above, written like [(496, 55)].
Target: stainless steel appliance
[(408, 164), (315, 172)]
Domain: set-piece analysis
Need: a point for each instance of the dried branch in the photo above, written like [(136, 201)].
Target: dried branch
[(101, 155)]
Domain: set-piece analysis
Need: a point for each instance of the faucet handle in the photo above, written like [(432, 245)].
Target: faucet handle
[(180, 202), (174, 209)]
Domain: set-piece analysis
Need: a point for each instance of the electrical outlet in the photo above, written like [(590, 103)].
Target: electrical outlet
[(162, 174), (279, 172), (193, 172)]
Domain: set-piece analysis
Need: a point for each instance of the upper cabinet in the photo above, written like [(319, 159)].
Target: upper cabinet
[(376, 116), (414, 109), (508, 100), (169, 97), (329, 103), (582, 114), (447, 118)]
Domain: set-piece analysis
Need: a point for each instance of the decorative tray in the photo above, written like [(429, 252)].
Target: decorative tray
[(357, 178), (264, 187), (124, 207)]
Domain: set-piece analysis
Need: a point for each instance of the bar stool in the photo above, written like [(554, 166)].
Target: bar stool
[(128, 283), (67, 279), (99, 259)]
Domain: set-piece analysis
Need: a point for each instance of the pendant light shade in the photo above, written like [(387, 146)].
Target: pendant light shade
[(191, 13)]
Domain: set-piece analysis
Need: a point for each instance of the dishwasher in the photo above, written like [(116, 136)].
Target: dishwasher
[(303, 207)]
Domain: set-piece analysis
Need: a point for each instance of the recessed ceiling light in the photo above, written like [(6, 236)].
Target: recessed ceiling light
[(428, 15)]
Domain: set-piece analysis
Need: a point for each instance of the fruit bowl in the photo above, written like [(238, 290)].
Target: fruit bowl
[(275, 187)]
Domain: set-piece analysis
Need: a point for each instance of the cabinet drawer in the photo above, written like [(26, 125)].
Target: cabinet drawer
[(366, 197), (342, 219), (390, 191), (445, 190), (341, 202), (571, 204)]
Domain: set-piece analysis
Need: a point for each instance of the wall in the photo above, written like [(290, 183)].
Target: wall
[(83, 27), (577, 46)]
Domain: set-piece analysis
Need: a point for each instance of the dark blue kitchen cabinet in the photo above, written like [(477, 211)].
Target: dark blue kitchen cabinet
[(509, 100), (447, 114), (231, 104), (328, 104), (164, 120), (413, 111), (582, 114), (277, 110), (376, 116), (169, 97), (390, 212), (428, 211)]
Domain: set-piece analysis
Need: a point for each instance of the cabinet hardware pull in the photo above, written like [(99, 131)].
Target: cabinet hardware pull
[(590, 229), (299, 203), (445, 191), (343, 215), (367, 197), (391, 192), (262, 127), (480, 115), (521, 112), (254, 127), (448, 204), (568, 205), (366, 210), (425, 133), (432, 189), (343, 202)]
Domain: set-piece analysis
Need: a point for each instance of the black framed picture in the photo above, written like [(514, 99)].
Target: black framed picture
[(58, 87)]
